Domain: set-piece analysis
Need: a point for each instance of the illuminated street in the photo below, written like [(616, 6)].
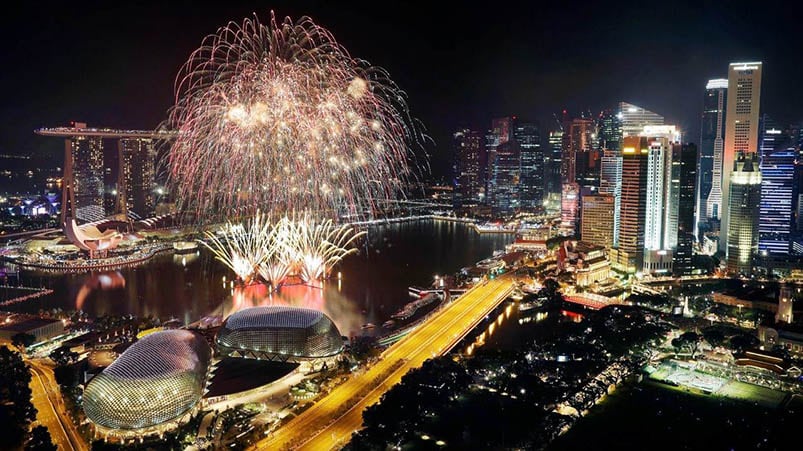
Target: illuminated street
[(47, 399), (336, 416)]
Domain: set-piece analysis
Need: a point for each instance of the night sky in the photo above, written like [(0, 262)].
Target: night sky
[(113, 63)]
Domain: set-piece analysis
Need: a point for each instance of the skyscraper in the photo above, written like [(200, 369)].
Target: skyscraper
[(468, 147), (712, 144), (578, 142), (777, 165), (611, 183), (609, 131), (531, 185), (83, 169), (569, 199), (743, 208), (660, 221), (552, 162), (596, 226), (633, 118), (504, 177), (741, 127), (686, 156), (137, 176), (629, 254)]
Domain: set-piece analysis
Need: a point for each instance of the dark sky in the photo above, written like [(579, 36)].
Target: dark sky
[(114, 63)]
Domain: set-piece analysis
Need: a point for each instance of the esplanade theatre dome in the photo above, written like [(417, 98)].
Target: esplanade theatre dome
[(158, 379), (279, 333)]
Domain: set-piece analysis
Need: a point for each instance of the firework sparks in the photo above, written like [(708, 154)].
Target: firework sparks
[(280, 117), (302, 247)]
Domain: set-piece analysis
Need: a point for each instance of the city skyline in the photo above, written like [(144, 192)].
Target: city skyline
[(546, 66), (401, 226)]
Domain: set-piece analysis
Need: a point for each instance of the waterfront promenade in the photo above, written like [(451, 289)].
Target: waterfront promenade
[(329, 423)]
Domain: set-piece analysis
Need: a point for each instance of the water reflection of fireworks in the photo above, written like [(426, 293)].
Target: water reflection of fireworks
[(325, 298)]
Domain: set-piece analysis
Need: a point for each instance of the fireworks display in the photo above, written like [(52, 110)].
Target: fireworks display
[(279, 117), (301, 247)]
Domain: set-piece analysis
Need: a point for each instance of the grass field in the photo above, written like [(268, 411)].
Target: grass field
[(702, 383)]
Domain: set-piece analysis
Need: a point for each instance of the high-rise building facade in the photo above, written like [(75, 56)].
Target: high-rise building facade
[(578, 139), (686, 157), (659, 163), (660, 221), (515, 168), (744, 197), (634, 118), (609, 131), (595, 225), (137, 176), (712, 145), (611, 183), (498, 171), (741, 127), (552, 162), (85, 161), (469, 177), (776, 212), (569, 200), (629, 254), (531, 185), (578, 143)]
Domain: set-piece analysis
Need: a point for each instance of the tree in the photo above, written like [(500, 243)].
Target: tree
[(689, 341), (714, 337), (364, 346), (22, 340), (40, 440), (65, 376), (16, 409), (743, 341)]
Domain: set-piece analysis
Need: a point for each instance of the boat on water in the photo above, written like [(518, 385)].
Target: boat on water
[(367, 326), (409, 309), (389, 324), (184, 247)]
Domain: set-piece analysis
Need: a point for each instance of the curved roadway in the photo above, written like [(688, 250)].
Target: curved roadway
[(329, 423)]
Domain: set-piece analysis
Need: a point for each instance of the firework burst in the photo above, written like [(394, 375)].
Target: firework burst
[(302, 247), (280, 117)]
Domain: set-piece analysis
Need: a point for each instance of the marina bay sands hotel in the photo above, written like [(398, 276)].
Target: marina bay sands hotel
[(83, 190)]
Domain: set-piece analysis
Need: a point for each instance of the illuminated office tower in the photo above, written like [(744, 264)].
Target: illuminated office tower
[(84, 176), (634, 118), (629, 253), (569, 199), (660, 211), (469, 177), (684, 160), (611, 183), (578, 139), (596, 226), (777, 189), (609, 131), (658, 168), (712, 145), (744, 197), (552, 162), (136, 177), (504, 166), (531, 183), (741, 127), (578, 142)]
